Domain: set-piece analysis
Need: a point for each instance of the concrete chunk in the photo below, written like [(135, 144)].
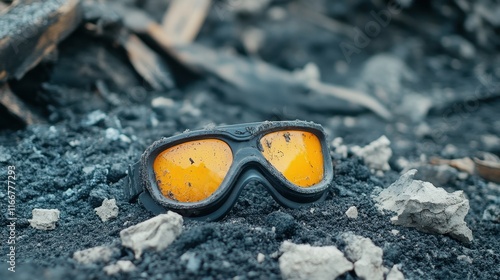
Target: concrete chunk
[(376, 154), (423, 206), (156, 233), (108, 210), (44, 219), (352, 212), (119, 266), (395, 274), (94, 255), (307, 262), (367, 257)]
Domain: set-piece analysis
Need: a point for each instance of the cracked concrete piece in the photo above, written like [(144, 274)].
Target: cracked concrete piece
[(352, 212), (119, 266), (44, 219), (306, 262), (395, 274), (156, 233), (423, 206), (108, 210), (376, 154), (94, 255), (367, 257)]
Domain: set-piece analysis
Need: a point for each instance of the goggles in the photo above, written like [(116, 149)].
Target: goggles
[(200, 174)]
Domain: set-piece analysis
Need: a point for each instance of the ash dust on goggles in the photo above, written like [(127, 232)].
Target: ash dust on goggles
[(200, 174)]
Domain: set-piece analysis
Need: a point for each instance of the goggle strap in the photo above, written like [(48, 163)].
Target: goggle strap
[(133, 188)]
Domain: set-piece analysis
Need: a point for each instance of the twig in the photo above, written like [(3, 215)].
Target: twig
[(184, 19), (16, 106)]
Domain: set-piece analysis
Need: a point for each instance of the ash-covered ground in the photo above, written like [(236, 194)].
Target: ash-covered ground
[(81, 155)]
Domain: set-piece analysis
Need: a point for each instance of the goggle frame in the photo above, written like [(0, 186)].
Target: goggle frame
[(248, 165)]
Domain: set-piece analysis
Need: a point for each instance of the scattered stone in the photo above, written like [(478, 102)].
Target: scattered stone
[(112, 134), (283, 223), (465, 258), (339, 147), (94, 255), (119, 266), (395, 232), (162, 102), (352, 212), (376, 154), (260, 257), (423, 206), (306, 262), (97, 196), (94, 118), (193, 263), (156, 233), (108, 210), (415, 107), (395, 274), (492, 213), (367, 257), (44, 219)]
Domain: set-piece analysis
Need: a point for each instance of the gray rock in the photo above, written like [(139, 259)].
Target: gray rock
[(108, 210), (94, 255), (44, 219), (367, 257), (423, 206), (156, 233), (119, 266), (395, 274), (94, 118), (492, 213), (352, 212), (307, 262), (376, 154)]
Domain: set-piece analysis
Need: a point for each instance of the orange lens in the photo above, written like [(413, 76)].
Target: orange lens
[(296, 154), (192, 171)]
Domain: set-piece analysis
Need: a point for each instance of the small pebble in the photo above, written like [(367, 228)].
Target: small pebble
[(352, 212), (260, 257)]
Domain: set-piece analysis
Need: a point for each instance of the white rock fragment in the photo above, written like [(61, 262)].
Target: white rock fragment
[(423, 206), (339, 147), (108, 210), (376, 154), (395, 232), (94, 255), (156, 233), (112, 134), (119, 266), (44, 219), (161, 101), (464, 258), (260, 257), (395, 274), (367, 257), (352, 212), (307, 262)]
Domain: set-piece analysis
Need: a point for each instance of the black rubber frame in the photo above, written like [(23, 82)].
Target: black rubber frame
[(248, 165)]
